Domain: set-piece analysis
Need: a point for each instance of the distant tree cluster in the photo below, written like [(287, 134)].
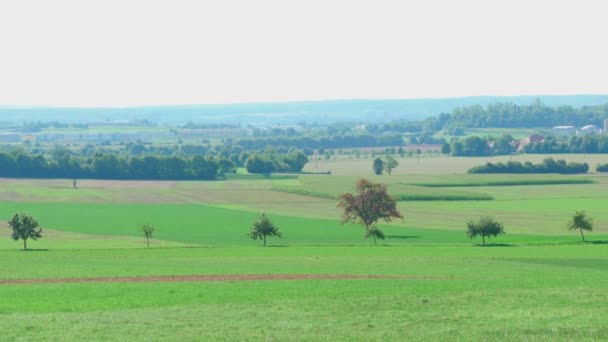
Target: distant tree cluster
[(108, 166), (388, 164), (272, 162), (475, 146), (602, 168), (577, 144), (499, 115), (509, 115), (194, 125), (549, 165), (325, 142)]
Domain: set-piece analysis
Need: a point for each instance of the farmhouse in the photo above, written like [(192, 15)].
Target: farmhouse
[(519, 145)]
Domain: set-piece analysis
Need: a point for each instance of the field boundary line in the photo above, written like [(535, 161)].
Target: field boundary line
[(207, 278)]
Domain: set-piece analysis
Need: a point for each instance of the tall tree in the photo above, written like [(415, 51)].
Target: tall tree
[(371, 204), (390, 163), (148, 230), (262, 228), (24, 227), (378, 166), (581, 221)]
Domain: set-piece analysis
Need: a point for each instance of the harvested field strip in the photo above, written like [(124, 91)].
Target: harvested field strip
[(420, 196), (303, 192), (444, 197), (203, 278)]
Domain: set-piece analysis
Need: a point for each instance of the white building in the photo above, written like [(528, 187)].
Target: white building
[(10, 137), (590, 130), (564, 130)]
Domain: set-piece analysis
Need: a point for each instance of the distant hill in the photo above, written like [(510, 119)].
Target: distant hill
[(285, 112)]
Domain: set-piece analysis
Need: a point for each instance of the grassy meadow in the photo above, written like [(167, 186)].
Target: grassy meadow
[(425, 281)]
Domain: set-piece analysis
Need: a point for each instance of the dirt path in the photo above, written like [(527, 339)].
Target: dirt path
[(199, 278)]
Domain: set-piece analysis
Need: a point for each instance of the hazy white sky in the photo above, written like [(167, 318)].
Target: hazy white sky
[(128, 52)]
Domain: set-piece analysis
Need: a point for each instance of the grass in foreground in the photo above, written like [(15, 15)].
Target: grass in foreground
[(535, 292)]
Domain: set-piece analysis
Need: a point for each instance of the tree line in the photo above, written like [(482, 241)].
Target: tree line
[(325, 141), (108, 166), (147, 167), (500, 115), (474, 146), (510, 115), (584, 144), (486, 146), (369, 205), (548, 165)]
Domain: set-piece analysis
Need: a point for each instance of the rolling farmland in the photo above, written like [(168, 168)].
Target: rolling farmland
[(204, 278)]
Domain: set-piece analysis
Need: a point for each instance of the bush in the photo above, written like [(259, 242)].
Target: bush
[(549, 165), (602, 168)]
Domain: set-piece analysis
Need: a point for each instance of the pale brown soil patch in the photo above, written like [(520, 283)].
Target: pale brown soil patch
[(203, 278)]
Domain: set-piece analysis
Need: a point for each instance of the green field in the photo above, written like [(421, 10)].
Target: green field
[(426, 281)]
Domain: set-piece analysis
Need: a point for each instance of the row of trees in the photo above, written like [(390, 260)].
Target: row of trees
[(584, 144), (475, 146), (370, 204), (24, 227), (109, 166), (502, 145), (487, 227), (326, 142), (549, 165), (113, 166)]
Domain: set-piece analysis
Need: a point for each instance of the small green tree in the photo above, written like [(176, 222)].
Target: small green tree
[(24, 227), (378, 166), (485, 227), (390, 163), (262, 228), (148, 230), (581, 221)]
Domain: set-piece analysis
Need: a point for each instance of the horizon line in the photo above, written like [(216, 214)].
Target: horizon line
[(264, 102)]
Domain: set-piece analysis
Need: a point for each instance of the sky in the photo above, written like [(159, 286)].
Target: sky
[(130, 52)]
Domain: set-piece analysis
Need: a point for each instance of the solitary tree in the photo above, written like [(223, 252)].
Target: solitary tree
[(390, 163), (371, 204), (378, 166), (263, 227), (485, 227), (24, 227), (581, 221), (148, 230)]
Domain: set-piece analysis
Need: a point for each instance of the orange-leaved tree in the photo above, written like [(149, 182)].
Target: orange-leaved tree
[(371, 204)]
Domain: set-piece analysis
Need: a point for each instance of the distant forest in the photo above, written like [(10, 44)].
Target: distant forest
[(321, 112), (503, 115)]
